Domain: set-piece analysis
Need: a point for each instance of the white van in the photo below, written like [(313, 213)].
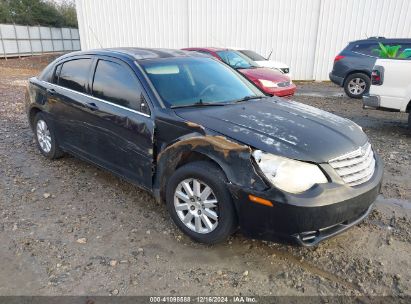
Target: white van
[(390, 86)]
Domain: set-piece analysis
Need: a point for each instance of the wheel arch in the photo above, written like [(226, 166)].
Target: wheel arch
[(32, 114), (232, 158), (355, 72)]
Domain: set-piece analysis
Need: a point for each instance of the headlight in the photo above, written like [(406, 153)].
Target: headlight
[(268, 83), (288, 174)]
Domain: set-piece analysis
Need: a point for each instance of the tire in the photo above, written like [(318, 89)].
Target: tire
[(207, 174), (409, 120), (45, 137), (355, 85)]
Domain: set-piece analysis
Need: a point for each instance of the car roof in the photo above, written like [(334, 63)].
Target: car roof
[(211, 49), (383, 39), (137, 54)]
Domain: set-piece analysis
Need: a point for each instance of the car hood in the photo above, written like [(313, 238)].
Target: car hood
[(272, 64), (285, 128), (264, 73)]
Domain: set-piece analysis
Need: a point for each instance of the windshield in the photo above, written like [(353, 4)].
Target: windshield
[(236, 60), (192, 80), (253, 55)]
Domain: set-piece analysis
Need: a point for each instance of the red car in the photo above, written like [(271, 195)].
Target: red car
[(268, 80)]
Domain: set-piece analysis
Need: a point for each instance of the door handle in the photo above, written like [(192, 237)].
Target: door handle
[(51, 91), (91, 106)]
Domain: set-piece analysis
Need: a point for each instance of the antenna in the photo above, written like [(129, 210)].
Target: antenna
[(268, 58), (95, 36)]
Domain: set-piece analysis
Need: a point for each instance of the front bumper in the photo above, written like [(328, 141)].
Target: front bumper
[(281, 91), (308, 218), (371, 101)]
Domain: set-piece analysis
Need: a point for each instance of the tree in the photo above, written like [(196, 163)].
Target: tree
[(38, 12), (68, 11)]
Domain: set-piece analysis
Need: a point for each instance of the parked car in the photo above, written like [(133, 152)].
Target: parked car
[(266, 62), (353, 65), (391, 87), (207, 142), (268, 80)]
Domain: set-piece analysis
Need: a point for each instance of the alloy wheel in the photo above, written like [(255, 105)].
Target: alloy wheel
[(43, 136), (357, 86), (196, 205)]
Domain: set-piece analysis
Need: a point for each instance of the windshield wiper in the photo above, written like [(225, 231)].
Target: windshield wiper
[(251, 97), (199, 103)]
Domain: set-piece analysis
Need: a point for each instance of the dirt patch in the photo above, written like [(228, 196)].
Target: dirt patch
[(70, 228)]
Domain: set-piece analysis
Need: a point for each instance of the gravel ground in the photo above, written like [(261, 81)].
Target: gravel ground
[(69, 228)]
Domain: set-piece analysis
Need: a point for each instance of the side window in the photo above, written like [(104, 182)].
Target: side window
[(366, 49), (404, 52), (74, 74), (118, 84)]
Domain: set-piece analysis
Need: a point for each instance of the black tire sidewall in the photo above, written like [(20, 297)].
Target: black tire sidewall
[(357, 75), (55, 152), (214, 178)]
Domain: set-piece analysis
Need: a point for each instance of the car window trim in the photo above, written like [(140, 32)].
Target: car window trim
[(99, 99)]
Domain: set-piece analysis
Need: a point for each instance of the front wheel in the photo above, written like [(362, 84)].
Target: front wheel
[(356, 85), (200, 203)]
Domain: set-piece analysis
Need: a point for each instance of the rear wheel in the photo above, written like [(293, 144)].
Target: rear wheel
[(409, 121), (356, 85), (45, 137), (200, 203)]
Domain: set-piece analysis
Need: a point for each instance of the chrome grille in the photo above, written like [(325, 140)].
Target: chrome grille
[(356, 167), (283, 84)]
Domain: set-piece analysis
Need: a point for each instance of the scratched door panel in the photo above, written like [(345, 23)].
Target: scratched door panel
[(122, 141)]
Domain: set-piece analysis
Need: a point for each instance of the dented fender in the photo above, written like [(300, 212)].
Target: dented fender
[(232, 157)]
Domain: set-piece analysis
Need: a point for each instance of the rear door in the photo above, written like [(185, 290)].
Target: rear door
[(68, 99), (120, 120)]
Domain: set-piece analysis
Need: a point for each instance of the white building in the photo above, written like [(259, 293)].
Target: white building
[(306, 34)]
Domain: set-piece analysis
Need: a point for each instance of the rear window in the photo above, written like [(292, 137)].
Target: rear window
[(74, 74)]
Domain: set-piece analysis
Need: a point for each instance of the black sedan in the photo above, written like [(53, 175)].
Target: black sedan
[(207, 142)]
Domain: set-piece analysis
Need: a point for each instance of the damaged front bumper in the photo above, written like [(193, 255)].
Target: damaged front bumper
[(310, 217)]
